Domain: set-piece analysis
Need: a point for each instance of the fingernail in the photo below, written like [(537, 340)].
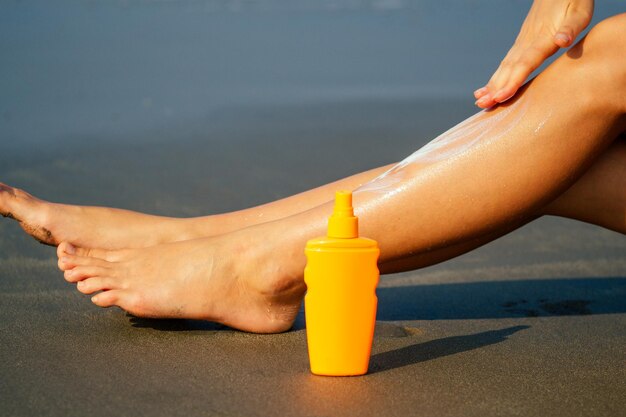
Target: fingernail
[(562, 37), (70, 249), (501, 96), (484, 100), (480, 92)]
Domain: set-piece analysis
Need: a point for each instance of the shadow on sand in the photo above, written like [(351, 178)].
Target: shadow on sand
[(474, 300), (176, 325), (503, 299), (422, 352)]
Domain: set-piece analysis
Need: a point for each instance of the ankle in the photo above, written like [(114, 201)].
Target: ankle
[(273, 272)]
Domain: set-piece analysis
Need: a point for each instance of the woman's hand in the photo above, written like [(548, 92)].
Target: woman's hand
[(550, 25)]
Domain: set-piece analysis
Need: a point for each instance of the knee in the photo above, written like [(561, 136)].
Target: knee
[(612, 30), (603, 49), (607, 39)]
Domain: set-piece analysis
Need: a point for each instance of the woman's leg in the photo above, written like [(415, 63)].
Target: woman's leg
[(598, 197), (112, 228), (496, 170)]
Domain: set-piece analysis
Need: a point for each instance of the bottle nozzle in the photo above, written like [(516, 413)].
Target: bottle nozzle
[(343, 223)]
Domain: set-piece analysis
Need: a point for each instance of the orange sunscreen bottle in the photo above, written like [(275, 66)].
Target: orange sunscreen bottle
[(340, 305)]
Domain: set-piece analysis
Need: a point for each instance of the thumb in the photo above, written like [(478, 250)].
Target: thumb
[(574, 23)]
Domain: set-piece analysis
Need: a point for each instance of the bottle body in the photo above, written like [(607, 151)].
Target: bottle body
[(340, 305)]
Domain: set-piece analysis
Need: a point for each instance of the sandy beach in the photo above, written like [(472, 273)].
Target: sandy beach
[(532, 324)]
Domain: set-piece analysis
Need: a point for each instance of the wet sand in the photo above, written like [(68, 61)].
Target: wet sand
[(533, 324)]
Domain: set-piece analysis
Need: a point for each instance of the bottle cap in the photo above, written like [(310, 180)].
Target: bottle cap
[(343, 223)]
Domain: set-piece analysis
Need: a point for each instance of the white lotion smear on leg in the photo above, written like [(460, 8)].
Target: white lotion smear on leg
[(479, 130)]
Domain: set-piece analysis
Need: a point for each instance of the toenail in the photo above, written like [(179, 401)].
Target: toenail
[(65, 259), (70, 249), (70, 272)]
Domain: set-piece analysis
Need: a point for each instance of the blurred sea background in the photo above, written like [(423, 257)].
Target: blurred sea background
[(111, 69)]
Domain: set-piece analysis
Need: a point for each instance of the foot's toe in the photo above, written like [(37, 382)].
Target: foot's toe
[(67, 248), (6, 191), (31, 213), (6, 194), (82, 272), (11, 203), (94, 284), (62, 265), (107, 298), (71, 261)]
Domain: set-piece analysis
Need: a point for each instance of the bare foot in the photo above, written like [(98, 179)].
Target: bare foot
[(30, 212), (226, 279), (101, 227)]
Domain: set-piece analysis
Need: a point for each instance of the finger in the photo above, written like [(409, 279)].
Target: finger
[(516, 79), (500, 76), (575, 21), (485, 102), (524, 65), (563, 38), (480, 92), (495, 85)]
